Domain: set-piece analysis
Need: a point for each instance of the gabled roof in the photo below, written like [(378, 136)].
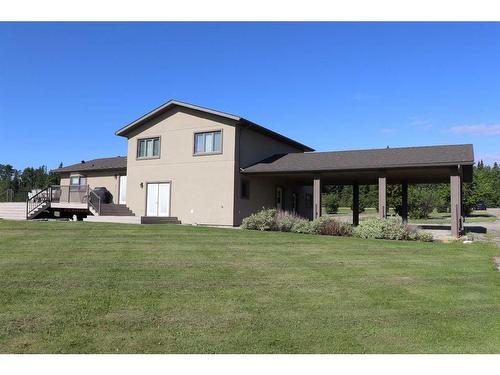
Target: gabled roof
[(240, 121), (366, 159), (118, 162)]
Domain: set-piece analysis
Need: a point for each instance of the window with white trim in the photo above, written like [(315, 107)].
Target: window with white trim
[(208, 142)]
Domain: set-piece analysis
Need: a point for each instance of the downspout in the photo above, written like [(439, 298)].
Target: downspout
[(237, 154)]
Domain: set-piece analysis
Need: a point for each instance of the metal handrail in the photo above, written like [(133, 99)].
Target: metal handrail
[(46, 195), (40, 198), (94, 200)]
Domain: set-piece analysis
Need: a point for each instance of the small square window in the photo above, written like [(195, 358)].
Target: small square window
[(75, 180)]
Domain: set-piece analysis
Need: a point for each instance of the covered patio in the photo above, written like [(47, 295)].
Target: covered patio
[(404, 166)]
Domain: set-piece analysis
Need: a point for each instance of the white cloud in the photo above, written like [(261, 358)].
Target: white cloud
[(479, 129)]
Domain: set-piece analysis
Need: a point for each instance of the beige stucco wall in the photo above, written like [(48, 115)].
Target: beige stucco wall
[(254, 147), (108, 179), (202, 187)]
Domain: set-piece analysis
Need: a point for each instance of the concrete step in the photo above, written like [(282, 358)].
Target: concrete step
[(159, 220), (114, 219)]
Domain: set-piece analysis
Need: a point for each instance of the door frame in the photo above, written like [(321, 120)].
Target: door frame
[(169, 197), (120, 188)]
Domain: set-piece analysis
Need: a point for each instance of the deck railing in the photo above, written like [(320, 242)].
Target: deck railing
[(77, 194), (69, 193), (32, 203), (94, 201)]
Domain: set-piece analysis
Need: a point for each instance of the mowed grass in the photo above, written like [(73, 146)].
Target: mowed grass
[(116, 288)]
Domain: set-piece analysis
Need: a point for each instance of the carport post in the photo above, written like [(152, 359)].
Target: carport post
[(456, 204), (316, 198), (355, 204), (404, 201), (382, 197)]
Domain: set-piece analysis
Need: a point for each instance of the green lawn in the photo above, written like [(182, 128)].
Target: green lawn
[(116, 288)]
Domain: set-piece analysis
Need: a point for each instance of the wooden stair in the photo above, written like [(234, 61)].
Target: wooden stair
[(38, 210)]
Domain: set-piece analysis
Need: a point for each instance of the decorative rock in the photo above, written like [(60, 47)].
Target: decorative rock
[(496, 260)]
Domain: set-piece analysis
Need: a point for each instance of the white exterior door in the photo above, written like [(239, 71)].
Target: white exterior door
[(123, 190), (158, 199)]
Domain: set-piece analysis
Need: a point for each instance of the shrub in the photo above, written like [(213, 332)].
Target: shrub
[(285, 221), (422, 201), (391, 228), (330, 227), (331, 203), (263, 220), (303, 226), (425, 237)]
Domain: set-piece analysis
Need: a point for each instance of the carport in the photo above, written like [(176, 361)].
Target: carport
[(409, 165)]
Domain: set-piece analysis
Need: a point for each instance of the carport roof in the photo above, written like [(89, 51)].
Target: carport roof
[(387, 158)]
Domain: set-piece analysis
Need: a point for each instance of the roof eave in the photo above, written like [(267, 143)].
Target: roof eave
[(88, 170), (155, 112), (273, 134), (368, 168)]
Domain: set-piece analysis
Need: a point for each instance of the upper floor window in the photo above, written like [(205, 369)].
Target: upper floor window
[(148, 148), (208, 142)]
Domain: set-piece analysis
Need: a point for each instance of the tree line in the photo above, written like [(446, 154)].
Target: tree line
[(23, 181), (423, 198)]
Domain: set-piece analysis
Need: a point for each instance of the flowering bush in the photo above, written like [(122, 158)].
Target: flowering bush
[(327, 226), (274, 220), (391, 228), (263, 220), (303, 226), (286, 220)]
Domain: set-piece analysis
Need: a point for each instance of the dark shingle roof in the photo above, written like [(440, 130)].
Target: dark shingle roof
[(118, 162), (366, 159)]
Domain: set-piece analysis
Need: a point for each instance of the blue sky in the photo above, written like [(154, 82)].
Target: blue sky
[(65, 88)]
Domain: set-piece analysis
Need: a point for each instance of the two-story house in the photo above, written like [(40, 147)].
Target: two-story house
[(203, 166)]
